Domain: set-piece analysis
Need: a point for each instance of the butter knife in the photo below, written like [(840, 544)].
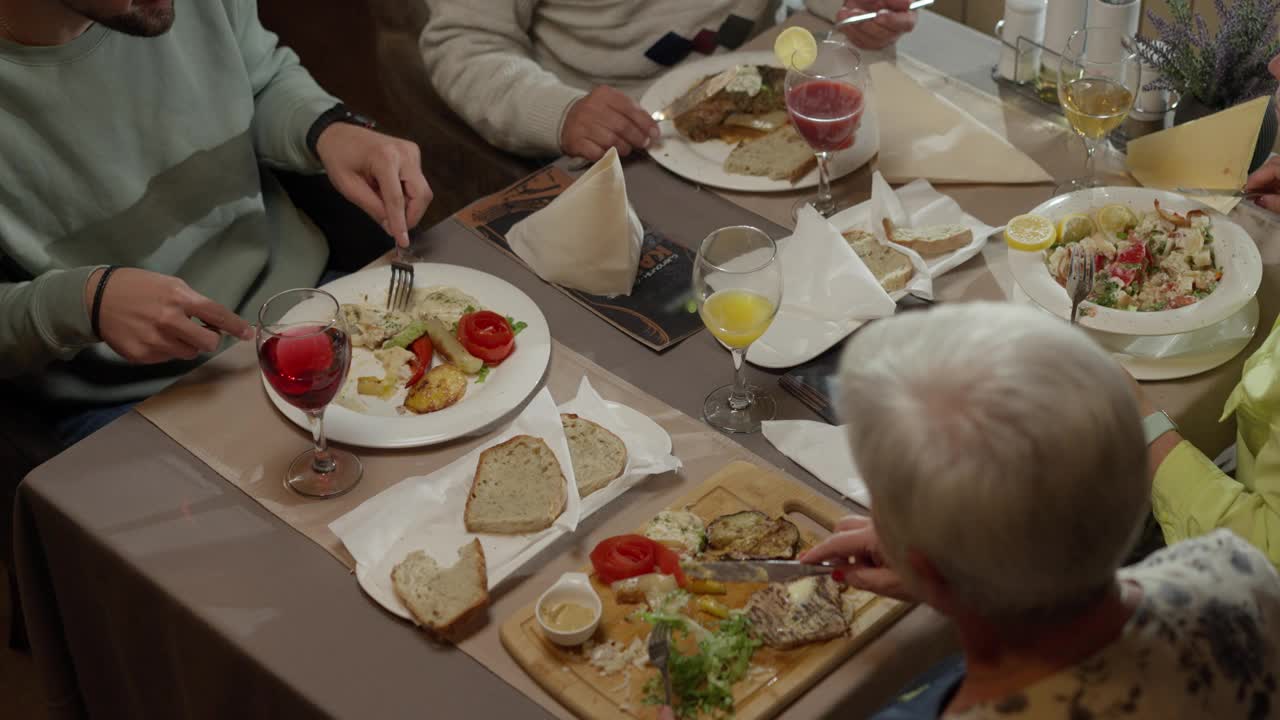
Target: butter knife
[(1214, 192), (757, 571), (703, 90)]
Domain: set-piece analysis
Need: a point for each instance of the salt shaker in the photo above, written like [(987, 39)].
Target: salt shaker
[(1062, 18), (1120, 14), (1022, 19)]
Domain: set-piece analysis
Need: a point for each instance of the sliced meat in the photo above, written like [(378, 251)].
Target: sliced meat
[(801, 612)]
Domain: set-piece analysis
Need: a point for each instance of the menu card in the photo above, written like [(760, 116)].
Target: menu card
[(656, 313)]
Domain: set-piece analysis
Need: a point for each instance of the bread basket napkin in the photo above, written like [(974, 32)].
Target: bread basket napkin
[(588, 238), (821, 449), (827, 292), (426, 512)]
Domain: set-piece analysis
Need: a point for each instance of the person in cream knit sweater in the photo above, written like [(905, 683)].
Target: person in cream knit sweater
[(546, 77)]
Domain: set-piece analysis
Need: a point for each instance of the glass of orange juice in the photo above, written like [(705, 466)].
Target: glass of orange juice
[(737, 282)]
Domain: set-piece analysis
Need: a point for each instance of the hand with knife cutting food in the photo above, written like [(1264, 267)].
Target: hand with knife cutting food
[(1266, 179), (895, 21), (856, 543)]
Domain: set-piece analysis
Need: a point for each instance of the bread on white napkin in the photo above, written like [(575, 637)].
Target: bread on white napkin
[(588, 238), (821, 449), (827, 292)]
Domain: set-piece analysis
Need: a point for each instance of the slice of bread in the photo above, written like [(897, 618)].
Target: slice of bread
[(780, 155), (931, 241), (519, 488), (440, 599), (599, 456), (891, 267)]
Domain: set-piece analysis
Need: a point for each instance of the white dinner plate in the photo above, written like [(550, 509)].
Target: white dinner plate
[(1236, 253), (1169, 357), (505, 389), (704, 162), (376, 581)]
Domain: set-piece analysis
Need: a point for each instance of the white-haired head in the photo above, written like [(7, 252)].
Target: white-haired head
[(1003, 445)]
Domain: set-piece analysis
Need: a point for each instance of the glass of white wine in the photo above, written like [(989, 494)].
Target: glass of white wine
[(1098, 78), (737, 282)]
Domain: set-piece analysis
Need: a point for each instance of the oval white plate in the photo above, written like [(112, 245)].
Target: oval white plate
[(505, 389), (704, 162), (376, 581), (1236, 252), (1170, 357)]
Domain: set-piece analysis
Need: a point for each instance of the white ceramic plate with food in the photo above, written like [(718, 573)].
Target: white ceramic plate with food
[(704, 162), (376, 580), (1235, 253), (1170, 357), (368, 421)]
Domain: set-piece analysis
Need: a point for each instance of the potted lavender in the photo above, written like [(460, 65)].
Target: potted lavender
[(1215, 73)]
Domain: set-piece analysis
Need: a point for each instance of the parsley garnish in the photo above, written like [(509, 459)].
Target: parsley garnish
[(516, 325)]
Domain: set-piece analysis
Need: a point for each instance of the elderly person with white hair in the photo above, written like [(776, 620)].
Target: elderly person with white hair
[(1007, 471)]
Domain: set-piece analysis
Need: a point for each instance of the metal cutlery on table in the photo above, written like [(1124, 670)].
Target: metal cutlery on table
[(1079, 279), (401, 285), (1216, 192), (659, 653)]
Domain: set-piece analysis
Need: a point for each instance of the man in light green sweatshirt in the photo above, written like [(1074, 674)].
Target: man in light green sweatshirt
[(134, 136)]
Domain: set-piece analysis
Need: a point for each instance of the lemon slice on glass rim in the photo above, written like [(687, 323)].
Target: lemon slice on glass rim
[(1075, 227), (1115, 219), (1030, 233), (796, 48)]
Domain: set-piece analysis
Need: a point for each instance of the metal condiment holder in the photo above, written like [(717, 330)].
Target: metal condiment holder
[(1045, 91)]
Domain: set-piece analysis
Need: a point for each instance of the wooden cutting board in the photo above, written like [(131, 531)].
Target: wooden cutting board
[(568, 676)]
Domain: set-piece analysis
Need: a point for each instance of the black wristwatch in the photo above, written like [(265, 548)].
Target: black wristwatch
[(337, 114)]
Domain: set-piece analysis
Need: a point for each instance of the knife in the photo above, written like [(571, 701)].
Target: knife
[(1214, 192), (758, 571), (703, 90)]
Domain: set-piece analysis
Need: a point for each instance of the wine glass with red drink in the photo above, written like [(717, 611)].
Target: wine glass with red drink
[(825, 101), (304, 352)]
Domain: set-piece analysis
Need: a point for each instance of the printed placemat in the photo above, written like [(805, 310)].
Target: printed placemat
[(656, 313)]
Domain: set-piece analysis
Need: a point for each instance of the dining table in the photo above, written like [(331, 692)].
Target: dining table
[(165, 573)]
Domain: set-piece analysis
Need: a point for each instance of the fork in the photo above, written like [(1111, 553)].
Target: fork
[(1079, 279), (401, 287), (659, 651)]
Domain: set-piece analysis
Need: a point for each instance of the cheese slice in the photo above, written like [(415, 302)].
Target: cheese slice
[(923, 135), (1212, 152)]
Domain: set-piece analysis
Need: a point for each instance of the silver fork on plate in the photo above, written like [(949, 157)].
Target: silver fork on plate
[(659, 652), (1079, 279), (401, 287)]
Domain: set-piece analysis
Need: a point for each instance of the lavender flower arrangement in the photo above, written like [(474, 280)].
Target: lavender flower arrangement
[(1221, 71)]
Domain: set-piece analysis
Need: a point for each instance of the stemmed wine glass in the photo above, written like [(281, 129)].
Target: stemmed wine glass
[(737, 281), (825, 101), (305, 352), (1098, 78)]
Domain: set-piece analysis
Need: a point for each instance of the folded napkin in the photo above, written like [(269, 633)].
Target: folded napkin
[(1212, 152), (588, 238), (923, 135), (917, 205), (821, 449), (827, 292)]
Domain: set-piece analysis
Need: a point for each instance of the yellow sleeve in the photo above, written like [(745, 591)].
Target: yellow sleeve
[(1191, 497)]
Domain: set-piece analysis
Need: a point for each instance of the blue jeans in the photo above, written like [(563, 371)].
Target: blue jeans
[(80, 423)]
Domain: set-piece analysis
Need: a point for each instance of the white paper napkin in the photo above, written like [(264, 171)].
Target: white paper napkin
[(821, 449), (917, 204), (588, 238), (827, 292), (426, 512)]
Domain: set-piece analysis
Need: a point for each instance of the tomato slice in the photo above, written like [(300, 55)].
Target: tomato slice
[(627, 556), (487, 335)]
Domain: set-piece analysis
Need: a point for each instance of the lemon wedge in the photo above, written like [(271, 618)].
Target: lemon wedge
[(1116, 219), (1075, 227), (796, 48), (1030, 233)]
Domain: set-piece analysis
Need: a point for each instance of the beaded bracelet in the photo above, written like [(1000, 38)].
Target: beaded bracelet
[(97, 299)]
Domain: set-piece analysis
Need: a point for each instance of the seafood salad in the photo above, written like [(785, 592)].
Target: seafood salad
[(1154, 261)]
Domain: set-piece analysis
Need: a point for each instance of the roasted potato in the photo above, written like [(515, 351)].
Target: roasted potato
[(441, 387)]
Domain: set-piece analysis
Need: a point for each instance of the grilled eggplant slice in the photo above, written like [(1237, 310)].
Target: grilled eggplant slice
[(782, 542), (739, 531)]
